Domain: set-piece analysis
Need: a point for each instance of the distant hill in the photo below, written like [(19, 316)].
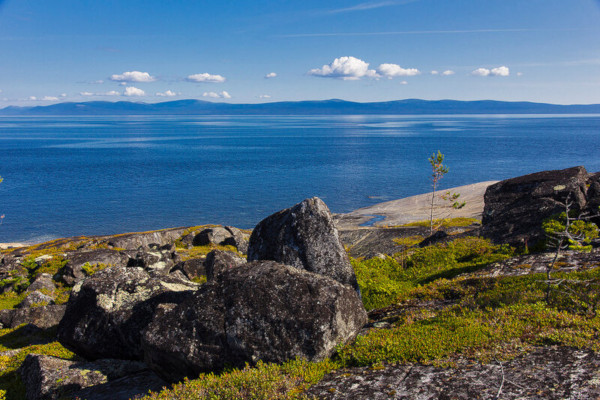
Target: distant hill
[(331, 107)]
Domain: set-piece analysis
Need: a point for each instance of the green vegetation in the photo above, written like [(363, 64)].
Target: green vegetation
[(202, 251), (458, 222), (264, 381), (382, 281)]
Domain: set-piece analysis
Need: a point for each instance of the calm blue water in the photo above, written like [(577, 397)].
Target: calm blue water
[(68, 176)]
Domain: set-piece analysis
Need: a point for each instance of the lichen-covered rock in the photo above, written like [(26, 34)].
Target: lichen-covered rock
[(303, 236), (217, 235), (545, 373), (155, 261), (218, 261), (73, 271), (37, 299), (264, 311), (133, 241), (192, 268), (238, 239), (47, 377), (107, 313), (515, 208), (43, 317), (43, 281)]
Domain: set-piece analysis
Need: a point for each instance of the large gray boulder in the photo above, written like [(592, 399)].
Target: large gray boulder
[(516, 208), (264, 311), (303, 236), (107, 313)]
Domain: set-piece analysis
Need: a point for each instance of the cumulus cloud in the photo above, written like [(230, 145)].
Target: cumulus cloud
[(498, 71), (32, 98), (346, 68), (404, 83), (271, 75), (448, 72), (132, 76), (109, 93), (63, 95), (168, 93), (133, 91), (434, 72), (394, 70), (215, 95), (86, 93), (49, 98), (206, 78)]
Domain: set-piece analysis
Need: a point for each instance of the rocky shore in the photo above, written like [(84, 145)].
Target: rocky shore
[(112, 317)]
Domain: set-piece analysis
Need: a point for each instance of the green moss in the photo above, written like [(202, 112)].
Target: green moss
[(201, 251)]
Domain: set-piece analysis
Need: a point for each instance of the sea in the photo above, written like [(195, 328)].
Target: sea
[(97, 175)]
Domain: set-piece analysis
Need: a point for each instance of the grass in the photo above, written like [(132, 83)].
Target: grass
[(264, 381), (202, 251)]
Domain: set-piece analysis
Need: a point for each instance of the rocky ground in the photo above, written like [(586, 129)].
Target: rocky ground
[(458, 316)]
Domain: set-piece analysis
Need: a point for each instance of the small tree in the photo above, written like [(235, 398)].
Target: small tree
[(1, 216), (570, 230), (438, 170)]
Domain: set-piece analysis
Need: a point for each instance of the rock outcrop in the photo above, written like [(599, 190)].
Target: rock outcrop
[(50, 378), (43, 317), (218, 261), (516, 208), (303, 236), (107, 313), (73, 271), (545, 373), (263, 311)]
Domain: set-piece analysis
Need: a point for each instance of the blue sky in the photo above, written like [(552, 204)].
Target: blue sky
[(256, 51)]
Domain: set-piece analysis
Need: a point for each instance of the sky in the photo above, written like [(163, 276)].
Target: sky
[(262, 51)]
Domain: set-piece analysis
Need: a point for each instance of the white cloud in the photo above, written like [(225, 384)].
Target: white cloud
[(270, 75), (98, 82), (133, 91), (63, 95), (215, 95), (481, 72), (168, 93), (498, 71), (393, 70), (123, 83), (86, 93), (133, 76), (448, 72), (109, 93), (434, 72), (404, 83), (206, 77), (519, 74), (346, 68), (49, 98), (264, 96), (32, 98)]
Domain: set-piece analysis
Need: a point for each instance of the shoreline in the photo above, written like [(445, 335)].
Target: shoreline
[(389, 213)]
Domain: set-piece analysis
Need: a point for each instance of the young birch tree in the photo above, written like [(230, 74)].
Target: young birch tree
[(438, 170)]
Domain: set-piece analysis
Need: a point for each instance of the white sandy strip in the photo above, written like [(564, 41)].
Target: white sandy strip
[(4, 246), (417, 208)]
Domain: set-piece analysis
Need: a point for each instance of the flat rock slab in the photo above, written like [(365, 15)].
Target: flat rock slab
[(417, 208), (545, 373)]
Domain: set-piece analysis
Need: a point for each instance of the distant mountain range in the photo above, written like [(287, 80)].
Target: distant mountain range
[(324, 107)]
